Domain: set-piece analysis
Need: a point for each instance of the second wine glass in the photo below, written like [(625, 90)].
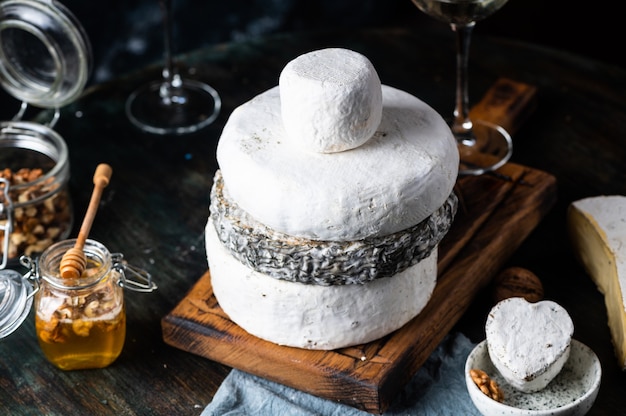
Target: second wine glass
[(483, 146), (173, 104)]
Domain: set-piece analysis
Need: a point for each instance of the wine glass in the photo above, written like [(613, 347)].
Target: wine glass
[(172, 105), (483, 146)]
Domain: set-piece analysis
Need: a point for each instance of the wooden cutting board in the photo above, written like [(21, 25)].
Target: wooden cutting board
[(496, 213)]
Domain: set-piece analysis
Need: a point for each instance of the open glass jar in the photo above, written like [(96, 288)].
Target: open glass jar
[(80, 323), (45, 61), (35, 204)]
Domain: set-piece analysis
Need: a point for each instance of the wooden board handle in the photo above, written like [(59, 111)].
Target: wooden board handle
[(507, 103)]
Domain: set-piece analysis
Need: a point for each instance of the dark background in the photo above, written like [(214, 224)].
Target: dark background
[(126, 34)]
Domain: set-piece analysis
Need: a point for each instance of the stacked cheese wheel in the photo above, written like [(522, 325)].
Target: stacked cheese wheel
[(332, 195)]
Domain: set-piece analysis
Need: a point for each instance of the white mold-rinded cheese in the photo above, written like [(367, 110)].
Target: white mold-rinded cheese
[(312, 316), (528, 343), (597, 228), (331, 100), (392, 182)]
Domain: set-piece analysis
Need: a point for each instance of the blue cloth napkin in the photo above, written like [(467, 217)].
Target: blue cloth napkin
[(438, 388)]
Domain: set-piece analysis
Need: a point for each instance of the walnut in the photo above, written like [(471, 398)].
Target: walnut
[(82, 327), (51, 331), (486, 384), (91, 308), (517, 282)]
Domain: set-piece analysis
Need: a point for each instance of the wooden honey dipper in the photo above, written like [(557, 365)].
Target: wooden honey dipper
[(74, 262)]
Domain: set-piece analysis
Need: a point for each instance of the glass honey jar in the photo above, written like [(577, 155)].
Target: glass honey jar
[(80, 322)]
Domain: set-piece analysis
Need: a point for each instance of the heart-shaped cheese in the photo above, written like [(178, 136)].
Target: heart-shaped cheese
[(528, 342)]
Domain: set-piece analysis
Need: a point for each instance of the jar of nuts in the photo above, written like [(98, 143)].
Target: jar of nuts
[(80, 322), (45, 62), (35, 205)]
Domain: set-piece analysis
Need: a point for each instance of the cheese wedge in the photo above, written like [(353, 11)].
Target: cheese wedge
[(597, 228)]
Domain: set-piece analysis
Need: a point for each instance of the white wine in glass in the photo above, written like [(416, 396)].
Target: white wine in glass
[(172, 104), (483, 146)]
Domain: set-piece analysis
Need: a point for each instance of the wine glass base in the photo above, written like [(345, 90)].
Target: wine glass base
[(162, 108), (491, 149)]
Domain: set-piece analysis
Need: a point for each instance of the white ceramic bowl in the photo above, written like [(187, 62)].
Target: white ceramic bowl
[(572, 392)]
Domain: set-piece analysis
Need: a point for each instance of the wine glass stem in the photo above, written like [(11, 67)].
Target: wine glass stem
[(462, 125), (168, 69)]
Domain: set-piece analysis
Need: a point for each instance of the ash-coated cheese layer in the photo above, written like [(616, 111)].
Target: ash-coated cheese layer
[(331, 100), (597, 228), (392, 182), (528, 342), (313, 316), (323, 262)]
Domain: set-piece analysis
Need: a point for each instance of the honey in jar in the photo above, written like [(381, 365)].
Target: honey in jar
[(81, 322)]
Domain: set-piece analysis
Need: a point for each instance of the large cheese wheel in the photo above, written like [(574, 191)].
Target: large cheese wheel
[(312, 316), (392, 182)]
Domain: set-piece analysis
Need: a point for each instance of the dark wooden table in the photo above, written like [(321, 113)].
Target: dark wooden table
[(155, 209)]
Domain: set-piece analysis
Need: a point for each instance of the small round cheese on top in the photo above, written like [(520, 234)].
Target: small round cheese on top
[(331, 100)]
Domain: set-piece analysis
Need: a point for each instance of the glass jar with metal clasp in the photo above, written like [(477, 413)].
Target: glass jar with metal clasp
[(45, 62), (80, 323)]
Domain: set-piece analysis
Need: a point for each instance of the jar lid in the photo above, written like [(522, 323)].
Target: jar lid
[(45, 54), (15, 301)]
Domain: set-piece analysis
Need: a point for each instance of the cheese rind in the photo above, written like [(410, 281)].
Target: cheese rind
[(331, 100), (528, 342), (323, 262), (597, 229), (392, 182), (312, 316)]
